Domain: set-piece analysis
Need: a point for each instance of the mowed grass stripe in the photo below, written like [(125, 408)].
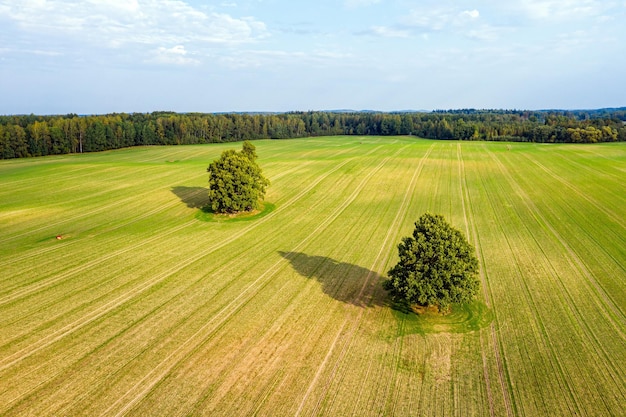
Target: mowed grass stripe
[(554, 281), (473, 236), (566, 302), (52, 227), (599, 239), (614, 313), (348, 380), (354, 323), (500, 197), (595, 176), (67, 243), (45, 167), (382, 377), (615, 217), (578, 304), (437, 367), (547, 344), (494, 194), (610, 157), (86, 188), (22, 291)]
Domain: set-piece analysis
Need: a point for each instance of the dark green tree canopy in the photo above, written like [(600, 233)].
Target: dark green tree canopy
[(31, 135), (437, 266), (236, 183)]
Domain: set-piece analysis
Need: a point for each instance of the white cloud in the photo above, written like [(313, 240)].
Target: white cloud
[(387, 32), (485, 33), (258, 58), (128, 6), (44, 52), (176, 55), (117, 22), (428, 19), (562, 9), (282, 59), (439, 19), (41, 52), (212, 45), (330, 55), (472, 14)]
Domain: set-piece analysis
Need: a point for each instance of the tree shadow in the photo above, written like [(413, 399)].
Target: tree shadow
[(194, 197), (353, 284), (345, 282)]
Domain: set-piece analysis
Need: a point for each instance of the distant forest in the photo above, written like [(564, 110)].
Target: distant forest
[(31, 135)]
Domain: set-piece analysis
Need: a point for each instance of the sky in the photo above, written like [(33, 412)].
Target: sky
[(104, 56)]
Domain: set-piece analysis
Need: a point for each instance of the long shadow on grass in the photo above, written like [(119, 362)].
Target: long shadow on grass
[(194, 197), (349, 283), (359, 286)]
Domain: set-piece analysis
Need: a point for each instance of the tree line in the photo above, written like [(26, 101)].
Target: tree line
[(32, 135)]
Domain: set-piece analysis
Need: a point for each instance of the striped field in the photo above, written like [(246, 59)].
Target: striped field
[(146, 306)]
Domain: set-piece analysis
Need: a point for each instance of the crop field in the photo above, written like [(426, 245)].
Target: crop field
[(120, 296)]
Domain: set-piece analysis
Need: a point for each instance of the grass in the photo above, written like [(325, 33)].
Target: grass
[(150, 306), (205, 214), (462, 318)]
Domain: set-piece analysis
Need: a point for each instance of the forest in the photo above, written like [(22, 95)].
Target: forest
[(33, 135)]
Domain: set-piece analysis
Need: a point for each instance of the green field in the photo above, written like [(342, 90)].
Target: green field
[(148, 306)]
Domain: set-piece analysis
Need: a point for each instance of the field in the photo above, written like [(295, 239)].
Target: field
[(145, 305)]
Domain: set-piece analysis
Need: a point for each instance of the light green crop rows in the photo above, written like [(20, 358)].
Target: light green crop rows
[(145, 308)]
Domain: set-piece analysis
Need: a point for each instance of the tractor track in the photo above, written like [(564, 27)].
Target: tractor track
[(487, 294)]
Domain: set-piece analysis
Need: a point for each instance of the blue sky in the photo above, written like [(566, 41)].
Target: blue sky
[(96, 56)]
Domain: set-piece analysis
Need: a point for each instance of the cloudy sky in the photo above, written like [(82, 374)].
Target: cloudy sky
[(101, 56)]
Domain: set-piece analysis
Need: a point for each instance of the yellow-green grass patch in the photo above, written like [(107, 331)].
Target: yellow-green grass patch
[(149, 306)]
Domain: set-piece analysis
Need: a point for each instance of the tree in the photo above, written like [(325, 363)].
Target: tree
[(437, 266), (236, 183)]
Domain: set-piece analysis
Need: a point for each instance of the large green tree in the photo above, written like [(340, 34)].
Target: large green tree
[(437, 266), (236, 182)]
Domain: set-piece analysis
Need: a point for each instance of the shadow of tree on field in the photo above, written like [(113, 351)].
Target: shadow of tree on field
[(345, 282), (355, 285), (194, 197)]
